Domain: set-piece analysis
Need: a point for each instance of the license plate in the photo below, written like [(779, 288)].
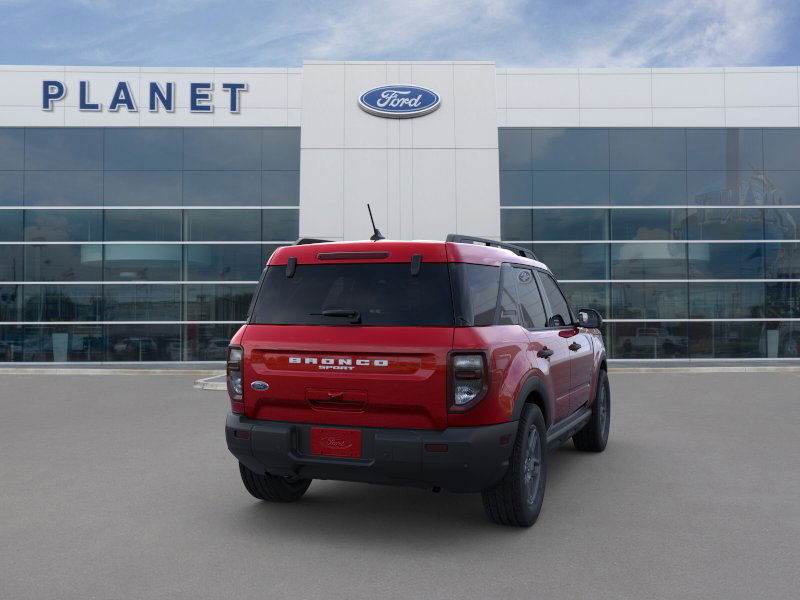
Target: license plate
[(336, 442)]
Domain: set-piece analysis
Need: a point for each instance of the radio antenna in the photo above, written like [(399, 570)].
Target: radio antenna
[(377, 235)]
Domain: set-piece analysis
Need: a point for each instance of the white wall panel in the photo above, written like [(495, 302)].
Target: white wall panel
[(434, 189), (761, 116), (616, 117), (542, 117), (362, 130), (543, 90), (760, 88), (615, 90), (475, 182), (322, 196), (437, 129), (689, 117), (693, 90), (323, 105), (474, 104), (365, 181)]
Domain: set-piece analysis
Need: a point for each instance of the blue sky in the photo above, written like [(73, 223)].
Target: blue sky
[(581, 33)]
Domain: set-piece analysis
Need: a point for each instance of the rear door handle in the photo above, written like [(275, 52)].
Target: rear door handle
[(574, 346), (544, 353)]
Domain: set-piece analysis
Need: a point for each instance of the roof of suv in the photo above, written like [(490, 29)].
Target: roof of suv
[(399, 251)]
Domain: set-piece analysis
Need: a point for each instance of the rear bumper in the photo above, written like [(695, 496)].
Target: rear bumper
[(476, 457)]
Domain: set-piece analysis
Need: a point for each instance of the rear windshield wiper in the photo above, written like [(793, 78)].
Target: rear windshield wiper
[(353, 315)]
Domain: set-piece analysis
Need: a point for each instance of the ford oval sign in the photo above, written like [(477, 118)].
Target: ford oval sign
[(399, 101)]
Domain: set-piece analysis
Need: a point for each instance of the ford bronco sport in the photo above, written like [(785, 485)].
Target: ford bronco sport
[(455, 365)]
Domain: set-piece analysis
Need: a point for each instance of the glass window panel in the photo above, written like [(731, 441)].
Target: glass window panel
[(64, 188), (10, 307), (11, 189), (63, 148), (582, 224), (570, 149), (570, 188), (648, 224), (63, 262), (726, 224), (783, 299), (12, 148), (63, 225), (724, 149), (730, 188), (11, 263), (62, 303), (783, 187), (208, 342), (266, 252), (222, 225), (508, 300), (637, 300), (726, 261), (516, 188), (782, 261), (235, 262), (143, 148), (143, 343), (142, 188), (650, 339), (280, 148), (560, 313), (280, 188), (783, 341), (63, 343), (142, 302), (218, 302), (648, 149), (10, 226), (222, 148), (221, 188), (727, 340), (588, 295), (516, 225), (11, 339), (530, 300), (781, 223), (280, 224), (648, 261), (782, 148), (515, 149), (574, 261), (142, 225), (726, 300), (153, 262), (648, 187)]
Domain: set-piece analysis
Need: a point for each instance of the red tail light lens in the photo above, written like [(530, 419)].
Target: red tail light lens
[(234, 376), (469, 380)]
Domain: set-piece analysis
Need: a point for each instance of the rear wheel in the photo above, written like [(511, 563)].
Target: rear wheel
[(517, 499), (271, 487), (594, 435)]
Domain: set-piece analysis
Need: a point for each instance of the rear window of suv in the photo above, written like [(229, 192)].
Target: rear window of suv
[(384, 294)]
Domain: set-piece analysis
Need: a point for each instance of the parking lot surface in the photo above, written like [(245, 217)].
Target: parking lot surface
[(122, 487)]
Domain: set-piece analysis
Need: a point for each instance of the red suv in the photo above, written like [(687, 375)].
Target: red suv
[(454, 365)]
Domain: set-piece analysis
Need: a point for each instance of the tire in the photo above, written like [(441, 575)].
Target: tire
[(517, 499), (594, 435), (271, 487)]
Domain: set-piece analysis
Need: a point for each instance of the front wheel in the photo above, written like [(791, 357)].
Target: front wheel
[(517, 499), (271, 487), (594, 435)]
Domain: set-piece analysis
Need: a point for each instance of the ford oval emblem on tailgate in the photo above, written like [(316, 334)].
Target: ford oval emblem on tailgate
[(261, 386)]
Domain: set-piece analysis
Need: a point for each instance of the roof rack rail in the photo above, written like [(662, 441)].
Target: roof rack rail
[(469, 239), (304, 241)]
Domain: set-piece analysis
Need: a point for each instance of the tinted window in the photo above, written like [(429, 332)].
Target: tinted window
[(142, 302), (575, 261), (10, 300), (63, 148), (648, 224), (726, 224), (11, 263), (142, 225), (232, 262), (637, 300), (280, 188), (67, 262), (280, 225), (648, 261), (221, 188), (723, 149), (560, 314), (142, 188), (208, 342), (222, 148), (218, 302), (726, 300), (782, 149), (143, 342), (648, 149), (12, 143), (280, 148), (65, 188), (62, 303), (570, 149), (648, 187), (557, 224), (475, 290), (726, 261), (146, 262), (588, 295), (222, 225), (515, 149), (727, 340), (63, 225), (508, 315), (556, 188), (516, 188), (383, 295), (731, 187), (516, 224), (64, 343), (11, 188), (530, 301), (649, 339), (143, 148), (11, 226)]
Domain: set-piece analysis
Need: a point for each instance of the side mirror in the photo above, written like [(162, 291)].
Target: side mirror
[(589, 318)]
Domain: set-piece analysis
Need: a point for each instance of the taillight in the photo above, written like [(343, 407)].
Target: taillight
[(234, 373), (469, 380)]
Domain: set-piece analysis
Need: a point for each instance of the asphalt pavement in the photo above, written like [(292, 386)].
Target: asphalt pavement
[(121, 486)]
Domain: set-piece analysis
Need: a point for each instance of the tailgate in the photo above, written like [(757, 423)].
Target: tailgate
[(343, 375)]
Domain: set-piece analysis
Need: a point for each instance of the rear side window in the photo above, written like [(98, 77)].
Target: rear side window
[(530, 301), (474, 293), (558, 303), (384, 294), (508, 297)]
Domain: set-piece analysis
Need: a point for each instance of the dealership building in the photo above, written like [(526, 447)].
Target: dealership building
[(138, 205)]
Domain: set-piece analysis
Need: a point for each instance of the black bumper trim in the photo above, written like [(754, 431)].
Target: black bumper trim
[(476, 458)]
